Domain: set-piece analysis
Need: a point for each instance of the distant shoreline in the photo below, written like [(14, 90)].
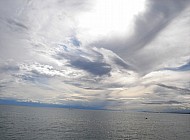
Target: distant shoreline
[(34, 104)]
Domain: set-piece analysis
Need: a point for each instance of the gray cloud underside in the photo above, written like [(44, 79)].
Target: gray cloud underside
[(157, 19), (183, 90)]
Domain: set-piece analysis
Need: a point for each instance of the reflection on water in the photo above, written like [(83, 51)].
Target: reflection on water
[(17, 122)]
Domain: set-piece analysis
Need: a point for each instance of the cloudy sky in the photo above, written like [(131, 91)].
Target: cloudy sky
[(107, 54)]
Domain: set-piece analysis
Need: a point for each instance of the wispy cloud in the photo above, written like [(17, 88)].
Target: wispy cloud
[(183, 90)]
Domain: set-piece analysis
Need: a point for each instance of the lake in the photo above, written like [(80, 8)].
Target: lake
[(38, 123)]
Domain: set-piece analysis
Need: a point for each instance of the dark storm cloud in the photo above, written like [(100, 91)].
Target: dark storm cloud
[(182, 90)]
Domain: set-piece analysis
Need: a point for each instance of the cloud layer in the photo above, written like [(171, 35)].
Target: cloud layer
[(44, 57)]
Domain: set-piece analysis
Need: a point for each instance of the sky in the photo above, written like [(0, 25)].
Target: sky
[(104, 54)]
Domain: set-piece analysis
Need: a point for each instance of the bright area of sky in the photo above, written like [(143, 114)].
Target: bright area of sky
[(104, 54), (108, 17)]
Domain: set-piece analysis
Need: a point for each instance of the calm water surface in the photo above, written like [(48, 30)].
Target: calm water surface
[(30, 123)]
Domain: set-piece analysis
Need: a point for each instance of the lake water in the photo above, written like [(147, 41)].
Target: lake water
[(31, 123)]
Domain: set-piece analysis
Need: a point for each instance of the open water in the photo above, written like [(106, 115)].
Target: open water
[(32, 123)]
